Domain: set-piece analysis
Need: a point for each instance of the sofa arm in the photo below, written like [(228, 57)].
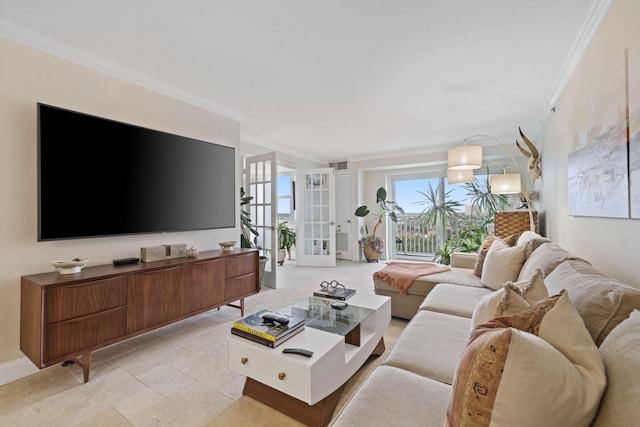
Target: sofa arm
[(463, 259)]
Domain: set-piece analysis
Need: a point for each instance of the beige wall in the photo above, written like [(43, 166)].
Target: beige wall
[(27, 77), (611, 245)]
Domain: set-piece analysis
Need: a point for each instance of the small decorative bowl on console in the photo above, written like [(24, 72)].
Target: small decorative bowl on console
[(71, 266)]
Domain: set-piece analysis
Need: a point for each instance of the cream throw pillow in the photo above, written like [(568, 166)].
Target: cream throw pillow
[(511, 299), (550, 375), (620, 351), (502, 264)]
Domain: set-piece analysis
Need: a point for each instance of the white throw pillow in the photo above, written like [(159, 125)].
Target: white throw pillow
[(502, 264), (511, 299), (537, 367)]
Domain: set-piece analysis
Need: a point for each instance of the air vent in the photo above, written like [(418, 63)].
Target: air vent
[(339, 165)]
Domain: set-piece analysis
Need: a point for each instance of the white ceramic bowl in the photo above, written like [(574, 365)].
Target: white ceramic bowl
[(70, 266), (227, 246)]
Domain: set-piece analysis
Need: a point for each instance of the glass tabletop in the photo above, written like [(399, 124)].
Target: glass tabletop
[(318, 314)]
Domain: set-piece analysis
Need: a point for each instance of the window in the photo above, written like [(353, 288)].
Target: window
[(286, 198)]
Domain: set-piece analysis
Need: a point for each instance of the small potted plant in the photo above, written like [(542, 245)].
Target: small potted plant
[(372, 244), (286, 240)]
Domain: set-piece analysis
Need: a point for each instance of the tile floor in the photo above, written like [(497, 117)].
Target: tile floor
[(176, 375)]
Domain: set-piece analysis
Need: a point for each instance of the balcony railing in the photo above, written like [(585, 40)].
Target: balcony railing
[(414, 238)]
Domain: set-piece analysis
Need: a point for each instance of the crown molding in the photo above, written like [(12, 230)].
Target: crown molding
[(42, 43), (593, 18), (274, 147)]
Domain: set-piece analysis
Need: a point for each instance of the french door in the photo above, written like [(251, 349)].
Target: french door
[(316, 238), (260, 177)]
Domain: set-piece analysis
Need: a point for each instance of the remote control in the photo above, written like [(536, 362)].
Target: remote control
[(125, 261), (339, 305), (275, 317), (300, 351)]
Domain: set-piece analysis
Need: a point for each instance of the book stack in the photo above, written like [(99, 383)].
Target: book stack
[(333, 290), (265, 332)]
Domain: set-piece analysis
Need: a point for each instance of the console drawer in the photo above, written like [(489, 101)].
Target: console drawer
[(80, 334), (67, 302), (240, 286), (239, 265)]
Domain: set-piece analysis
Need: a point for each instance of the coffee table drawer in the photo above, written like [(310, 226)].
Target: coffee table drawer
[(289, 375)]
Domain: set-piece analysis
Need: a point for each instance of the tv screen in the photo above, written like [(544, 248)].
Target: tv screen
[(99, 177)]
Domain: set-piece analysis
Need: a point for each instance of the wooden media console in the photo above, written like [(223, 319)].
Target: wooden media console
[(63, 317)]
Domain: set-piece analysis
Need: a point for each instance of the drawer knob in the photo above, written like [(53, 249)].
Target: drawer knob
[(281, 376), (244, 360)]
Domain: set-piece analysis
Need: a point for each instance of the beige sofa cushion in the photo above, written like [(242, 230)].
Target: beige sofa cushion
[(551, 375), (454, 299), (602, 302), (620, 404), (502, 264), (546, 258), (431, 345), (392, 393)]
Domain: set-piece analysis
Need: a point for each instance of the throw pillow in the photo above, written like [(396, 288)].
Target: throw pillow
[(482, 254), (507, 300), (537, 367), (621, 354), (512, 240), (532, 240), (602, 301), (502, 264), (511, 299)]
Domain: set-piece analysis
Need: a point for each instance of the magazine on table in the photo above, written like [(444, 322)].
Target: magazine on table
[(272, 331), (264, 341)]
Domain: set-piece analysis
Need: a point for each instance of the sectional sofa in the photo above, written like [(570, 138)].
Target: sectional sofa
[(555, 344)]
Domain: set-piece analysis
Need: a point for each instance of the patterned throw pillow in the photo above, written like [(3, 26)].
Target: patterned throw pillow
[(537, 367), (482, 254)]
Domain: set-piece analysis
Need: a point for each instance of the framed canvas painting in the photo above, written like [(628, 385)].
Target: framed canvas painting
[(597, 167)]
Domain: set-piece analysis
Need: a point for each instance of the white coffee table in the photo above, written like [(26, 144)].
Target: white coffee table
[(308, 389)]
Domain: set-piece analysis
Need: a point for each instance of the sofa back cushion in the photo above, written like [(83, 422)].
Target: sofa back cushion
[(620, 404), (550, 375), (546, 257), (602, 302)]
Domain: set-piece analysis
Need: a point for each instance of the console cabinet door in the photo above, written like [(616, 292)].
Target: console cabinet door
[(205, 285), (154, 298)]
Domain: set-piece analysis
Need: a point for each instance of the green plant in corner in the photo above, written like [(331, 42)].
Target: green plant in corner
[(286, 238), (373, 244)]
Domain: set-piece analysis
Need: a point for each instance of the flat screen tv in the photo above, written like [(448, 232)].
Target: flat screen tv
[(99, 177)]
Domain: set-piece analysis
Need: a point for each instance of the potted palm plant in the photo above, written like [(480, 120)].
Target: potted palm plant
[(249, 234), (372, 244), (286, 240)]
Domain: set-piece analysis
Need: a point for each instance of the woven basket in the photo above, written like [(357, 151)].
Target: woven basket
[(508, 223)]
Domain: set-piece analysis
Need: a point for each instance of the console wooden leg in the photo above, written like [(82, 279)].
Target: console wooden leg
[(85, 364)]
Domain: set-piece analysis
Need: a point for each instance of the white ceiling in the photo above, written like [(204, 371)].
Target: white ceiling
[(333, 79)]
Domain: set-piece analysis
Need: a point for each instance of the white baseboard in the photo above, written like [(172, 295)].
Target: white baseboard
[(16, 369)]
